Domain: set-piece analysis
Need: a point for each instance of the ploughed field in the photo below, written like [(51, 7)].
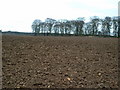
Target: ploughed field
[(59, 62)]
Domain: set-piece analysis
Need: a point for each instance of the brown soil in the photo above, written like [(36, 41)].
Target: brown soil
[(59, 62)]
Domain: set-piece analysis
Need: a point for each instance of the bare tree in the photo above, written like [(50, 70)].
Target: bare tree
[(103, 27), (115, 26), (49, 23), (95, 23), (67, 27), (56, 27), (81, 23), (42, 27), (88, 28), (108, 25), (76, 24), (35, 26)]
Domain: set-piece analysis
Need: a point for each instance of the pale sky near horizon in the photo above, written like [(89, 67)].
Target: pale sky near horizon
[(18, 15)]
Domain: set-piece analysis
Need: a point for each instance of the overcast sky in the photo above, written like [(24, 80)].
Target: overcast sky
[(18, 15)]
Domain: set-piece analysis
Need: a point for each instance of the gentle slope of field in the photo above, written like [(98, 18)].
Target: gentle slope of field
[(40, 62)]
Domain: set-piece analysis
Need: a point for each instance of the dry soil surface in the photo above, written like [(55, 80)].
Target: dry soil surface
[(59, 62)]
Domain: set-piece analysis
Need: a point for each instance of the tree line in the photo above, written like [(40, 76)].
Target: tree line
[(96, 26)]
